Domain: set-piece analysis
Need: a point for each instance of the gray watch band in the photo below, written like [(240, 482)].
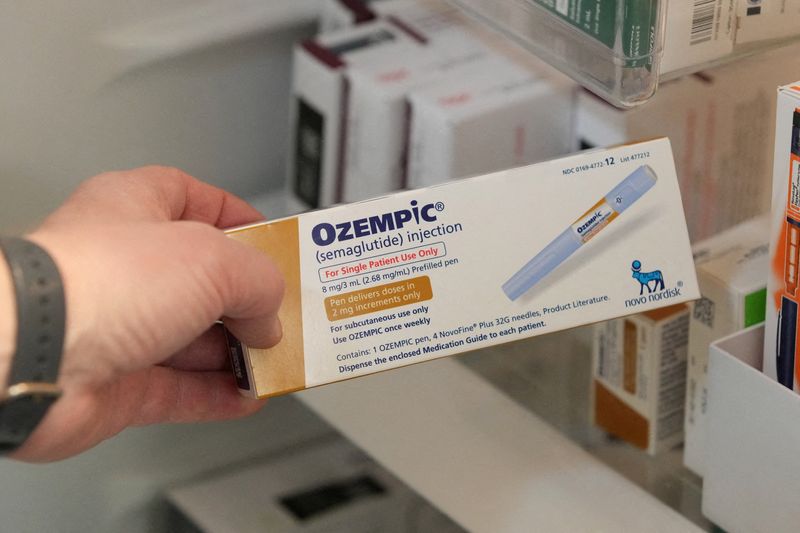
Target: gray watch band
[(41, 320)]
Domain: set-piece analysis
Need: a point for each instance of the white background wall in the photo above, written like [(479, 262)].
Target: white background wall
[(93, 85)]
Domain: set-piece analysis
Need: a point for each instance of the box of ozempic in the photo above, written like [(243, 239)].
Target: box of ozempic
[(433, 272)]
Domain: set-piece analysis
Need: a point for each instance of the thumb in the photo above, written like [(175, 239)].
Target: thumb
[(250, 287)]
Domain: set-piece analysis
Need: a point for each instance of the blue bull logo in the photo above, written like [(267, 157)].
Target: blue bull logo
[(646, 278)]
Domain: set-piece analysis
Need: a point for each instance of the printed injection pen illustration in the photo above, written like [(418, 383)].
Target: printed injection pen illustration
[(787, 316), (613, 204)]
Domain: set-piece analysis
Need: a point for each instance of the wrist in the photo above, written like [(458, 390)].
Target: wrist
[(8, 322)]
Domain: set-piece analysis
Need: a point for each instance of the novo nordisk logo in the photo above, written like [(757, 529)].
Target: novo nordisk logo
[(325, 233), (645, 278), (654, 282)]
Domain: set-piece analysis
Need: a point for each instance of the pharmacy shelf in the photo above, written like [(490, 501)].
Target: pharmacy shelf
[(499, 439), (624, 75), (484, 460)]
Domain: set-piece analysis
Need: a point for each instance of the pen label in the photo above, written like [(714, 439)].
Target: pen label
[(594, 220), (794, 186)]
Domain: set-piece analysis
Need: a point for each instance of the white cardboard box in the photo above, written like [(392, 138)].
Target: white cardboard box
[(752, 479), (759, 20), (723, 146), (732, 272), (335, 15), (318, 96), (423, 274), (489, 115), (697, 32), (781, 361), (639, 377), (376, 134)]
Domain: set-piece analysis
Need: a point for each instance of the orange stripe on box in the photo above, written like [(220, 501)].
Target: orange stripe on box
[(280, 369), (619, 419)]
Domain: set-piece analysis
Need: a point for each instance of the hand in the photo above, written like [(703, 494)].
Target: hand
[(146, 274)]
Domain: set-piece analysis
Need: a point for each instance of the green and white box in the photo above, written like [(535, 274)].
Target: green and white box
[(732, 271)]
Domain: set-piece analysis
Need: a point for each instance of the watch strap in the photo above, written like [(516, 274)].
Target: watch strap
[(41, 321)]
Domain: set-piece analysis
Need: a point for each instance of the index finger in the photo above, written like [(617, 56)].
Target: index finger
[(159, 193)]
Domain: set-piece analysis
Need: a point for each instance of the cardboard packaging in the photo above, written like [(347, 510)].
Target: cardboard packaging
[(732, 272), (318, 96), (697, 33), (760, 20), (377, 124), (639, 377), (528, 112), (393, 281), (752, 469), (780, 345), (321, 88), (723, 146), (335, 15), (527, 124)]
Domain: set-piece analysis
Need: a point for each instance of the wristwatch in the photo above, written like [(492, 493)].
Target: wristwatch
[(41, 317)]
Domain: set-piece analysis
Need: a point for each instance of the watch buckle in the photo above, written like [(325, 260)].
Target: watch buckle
[(31, 388)]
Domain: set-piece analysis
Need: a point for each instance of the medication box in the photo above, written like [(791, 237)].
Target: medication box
[(319, 94), (723, 146), (377, 132), (339, 14), (780, 345), (639, 377), (732, 271), (697, 33), (759, 20), (527, 111), (429, 273)]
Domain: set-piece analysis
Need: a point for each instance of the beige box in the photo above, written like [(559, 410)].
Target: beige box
[(763, 20), (639, 377), (423, 274), (723, 146)]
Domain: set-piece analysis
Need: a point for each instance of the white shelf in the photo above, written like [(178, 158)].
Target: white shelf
[(484, 460)]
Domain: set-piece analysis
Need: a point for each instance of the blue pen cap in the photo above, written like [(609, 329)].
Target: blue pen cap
[(631, 188)]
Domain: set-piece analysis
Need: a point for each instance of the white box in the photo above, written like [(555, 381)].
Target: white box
[(732, 272), (487, 116), (318, 96), (752, 479), (781, 360), (335, 15), (759, 20), (697, 32), (324, 488), (376, 134), (723, 146), (377, 141), (423, 274), (639, 377)]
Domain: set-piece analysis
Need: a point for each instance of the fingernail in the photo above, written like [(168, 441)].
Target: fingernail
[(275, 331)]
